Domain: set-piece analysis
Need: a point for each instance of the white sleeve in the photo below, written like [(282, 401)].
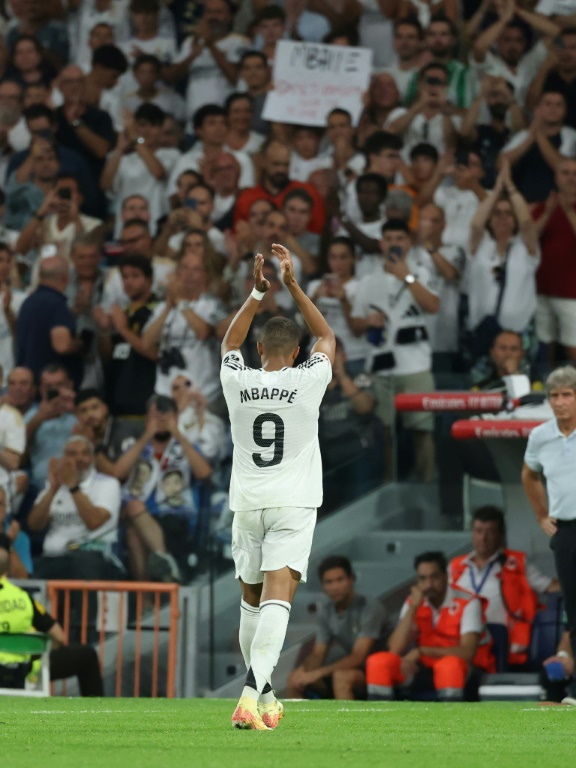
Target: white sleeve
[(538, 581), (394, 115), (13, 431), (106, 494), (531, 458), (319, 366), (472, 618), (515, 141), (232, 364), (113, 292)]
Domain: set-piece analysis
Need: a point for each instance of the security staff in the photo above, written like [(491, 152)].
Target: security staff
[(551, 454), (20, 613)]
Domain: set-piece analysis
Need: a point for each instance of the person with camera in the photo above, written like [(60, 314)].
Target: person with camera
[(431, 118), (390, 310), (58, 221), (181, 329)]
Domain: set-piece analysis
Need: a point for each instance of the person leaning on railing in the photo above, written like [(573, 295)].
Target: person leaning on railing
[(19, 613)]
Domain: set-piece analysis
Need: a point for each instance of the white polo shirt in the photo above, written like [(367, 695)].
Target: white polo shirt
[(12, 435), (554, 455), (66, 527)]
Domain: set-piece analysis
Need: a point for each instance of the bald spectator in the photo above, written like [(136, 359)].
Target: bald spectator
[(275, 184), (46, 326)]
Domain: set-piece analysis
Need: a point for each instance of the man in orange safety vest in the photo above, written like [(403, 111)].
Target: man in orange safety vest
[(439, 641)]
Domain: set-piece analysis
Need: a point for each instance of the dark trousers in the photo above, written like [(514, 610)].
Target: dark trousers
[(563, 544), (79, 661)]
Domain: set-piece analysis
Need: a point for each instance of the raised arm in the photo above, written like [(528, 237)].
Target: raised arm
[(238, 329), (526, 226), (313, 318)]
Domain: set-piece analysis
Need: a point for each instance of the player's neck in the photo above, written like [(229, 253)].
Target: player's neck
[(270, 364)]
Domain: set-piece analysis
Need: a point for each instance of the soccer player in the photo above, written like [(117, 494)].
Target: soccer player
[(276, 482)]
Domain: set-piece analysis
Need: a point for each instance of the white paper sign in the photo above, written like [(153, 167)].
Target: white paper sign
[(311, 79)]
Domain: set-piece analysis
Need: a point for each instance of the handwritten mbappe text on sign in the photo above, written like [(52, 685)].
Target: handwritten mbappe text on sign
[(312, 79)]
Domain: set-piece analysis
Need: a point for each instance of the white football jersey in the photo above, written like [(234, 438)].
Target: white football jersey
[(274, 418)]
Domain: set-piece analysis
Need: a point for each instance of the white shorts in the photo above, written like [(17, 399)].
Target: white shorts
[(556, 320), (271, 539)]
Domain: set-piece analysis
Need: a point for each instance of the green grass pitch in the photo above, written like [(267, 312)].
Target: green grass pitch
[(196, 733)]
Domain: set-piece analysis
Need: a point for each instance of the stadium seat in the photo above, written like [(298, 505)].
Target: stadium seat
[(32, 644)]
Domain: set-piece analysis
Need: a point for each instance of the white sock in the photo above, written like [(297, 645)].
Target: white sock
[(249, 617), (267, 645)]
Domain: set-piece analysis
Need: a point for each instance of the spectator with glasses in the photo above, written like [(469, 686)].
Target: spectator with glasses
[(504, 254)]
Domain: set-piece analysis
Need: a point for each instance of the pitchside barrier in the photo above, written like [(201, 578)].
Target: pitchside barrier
[(142, 633)]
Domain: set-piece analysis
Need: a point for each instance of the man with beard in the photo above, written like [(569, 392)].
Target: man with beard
[(441, 39), (275, 185), (445, 626), (79, 511), (489, 138)]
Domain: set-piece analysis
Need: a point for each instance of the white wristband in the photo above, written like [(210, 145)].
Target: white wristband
[(563, 654), (256, 294)]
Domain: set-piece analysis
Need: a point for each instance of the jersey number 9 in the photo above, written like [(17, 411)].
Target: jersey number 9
[(266, 442)]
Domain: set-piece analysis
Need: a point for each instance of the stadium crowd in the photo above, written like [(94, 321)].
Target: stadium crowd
[(138, 179)]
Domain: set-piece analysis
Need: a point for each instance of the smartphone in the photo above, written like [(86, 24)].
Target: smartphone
[(65, 193), (330, 279), (394, 252), (191, 203), (52, 394), (559, 42)]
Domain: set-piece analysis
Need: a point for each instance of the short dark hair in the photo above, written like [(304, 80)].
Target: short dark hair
[(490, 514), (269, 13), (396, 225), (208, 110), (147, 58), (381, 140), (110, 57), (373, 178), (234, 97), (299, 194), (252, 55), (144, 6), (567, 31), (433, 65), (137, 262), (207, 187), (163, 403), (34, 111), (88, 394), (432, 557), (280, 334), (151, 114), (345, 241), (441, 18), (335, 561), (339, 111), (423, 149), (5, 248), (349, 33), (410, 21)]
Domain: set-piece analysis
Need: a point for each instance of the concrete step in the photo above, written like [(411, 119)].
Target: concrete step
[(394, 546)]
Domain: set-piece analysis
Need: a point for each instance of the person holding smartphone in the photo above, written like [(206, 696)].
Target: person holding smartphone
[(390, 310), (58, 221), (432, 118)]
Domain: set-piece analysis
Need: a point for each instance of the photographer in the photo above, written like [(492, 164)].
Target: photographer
[(431, 118), (58, 221), (181, 329)]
